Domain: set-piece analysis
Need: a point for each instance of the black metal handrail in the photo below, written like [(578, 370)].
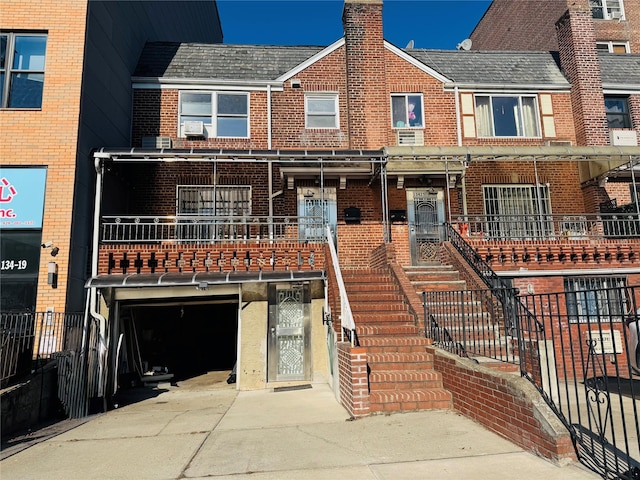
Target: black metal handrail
[(506, 294)]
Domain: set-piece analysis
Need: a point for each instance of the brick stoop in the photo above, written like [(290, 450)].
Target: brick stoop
[(401, 373)]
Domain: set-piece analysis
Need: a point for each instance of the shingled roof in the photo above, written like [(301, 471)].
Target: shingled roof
[(220, 61), (474, 68), (620, 69), (493, 68)]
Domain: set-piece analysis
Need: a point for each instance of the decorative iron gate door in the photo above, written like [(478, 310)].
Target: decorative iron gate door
[(289, 322), (425, 214), (316, 208)]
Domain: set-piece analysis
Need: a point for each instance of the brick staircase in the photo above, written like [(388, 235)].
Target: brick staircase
[(477, 333), (401, 376)]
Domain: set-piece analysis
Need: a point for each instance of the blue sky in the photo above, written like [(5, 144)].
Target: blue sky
[(436, 24)]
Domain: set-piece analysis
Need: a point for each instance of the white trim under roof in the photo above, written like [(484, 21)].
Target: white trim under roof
[(416, 63), (311, 60), (160, 83), (617, 89), (567, 272), (508, 88)]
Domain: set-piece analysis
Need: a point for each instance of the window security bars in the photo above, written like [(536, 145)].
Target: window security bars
[(506, 206), (589, 297)]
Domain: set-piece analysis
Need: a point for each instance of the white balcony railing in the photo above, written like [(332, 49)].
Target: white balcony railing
[(549, 227), (196, 229)]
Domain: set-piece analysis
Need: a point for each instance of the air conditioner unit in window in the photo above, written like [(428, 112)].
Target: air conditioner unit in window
[(624, 138), (616, 15), (193, 129), (410, 137), (156, 142)]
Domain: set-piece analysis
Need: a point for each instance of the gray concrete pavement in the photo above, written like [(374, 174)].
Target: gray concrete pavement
[(204, 429)]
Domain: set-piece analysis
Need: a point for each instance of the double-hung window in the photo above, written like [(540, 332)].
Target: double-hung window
[(222, 114), (22, 61), (406, 110), (321, 111), (607, 9), (617, 109), (517, 212), (593, 299), (507, 116)]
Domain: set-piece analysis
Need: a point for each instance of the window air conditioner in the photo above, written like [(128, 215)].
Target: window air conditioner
[(624, 138), (193, 129), (156, 142), (410, 137), (616, 15)]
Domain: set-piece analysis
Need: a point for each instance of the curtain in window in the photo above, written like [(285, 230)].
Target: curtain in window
[(483, 117), (529, 117)]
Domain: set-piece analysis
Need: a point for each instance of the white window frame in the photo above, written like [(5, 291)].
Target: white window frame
[(210, 119), (610, 45), (489, 130), (595, 298), (8, 70), (610, 9), (506, 205), (407, 120), (309, 114)]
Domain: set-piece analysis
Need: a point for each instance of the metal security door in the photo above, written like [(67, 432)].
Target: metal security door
[(289, 320), (425, 214), (317, 208)]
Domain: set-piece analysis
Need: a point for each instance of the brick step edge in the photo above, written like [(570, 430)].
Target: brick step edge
[(394, 376), (400, 357), (410, 400)]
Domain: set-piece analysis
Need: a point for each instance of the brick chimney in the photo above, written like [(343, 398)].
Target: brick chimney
[(367, 99), (579, 62)]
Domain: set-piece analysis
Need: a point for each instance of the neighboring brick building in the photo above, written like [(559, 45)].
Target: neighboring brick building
[(67, 91), (531, 25)]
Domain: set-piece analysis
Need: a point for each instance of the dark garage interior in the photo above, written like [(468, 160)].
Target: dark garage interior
[(183, 338)]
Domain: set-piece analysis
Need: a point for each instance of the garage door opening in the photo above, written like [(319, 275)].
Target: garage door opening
[(184, 339)]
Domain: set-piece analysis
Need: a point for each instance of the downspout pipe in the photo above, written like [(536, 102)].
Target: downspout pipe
[(459, 139), (93, 294)]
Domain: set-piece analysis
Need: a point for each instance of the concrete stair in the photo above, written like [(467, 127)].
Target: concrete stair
[(401, 373)]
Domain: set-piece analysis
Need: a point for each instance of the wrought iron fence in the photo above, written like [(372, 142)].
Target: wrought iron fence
[(470, 323), (580, 349), (189, 229), (549, 227), (28, 339)]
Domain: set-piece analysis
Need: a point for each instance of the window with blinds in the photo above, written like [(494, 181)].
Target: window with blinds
[(517, 211), (591, 299)]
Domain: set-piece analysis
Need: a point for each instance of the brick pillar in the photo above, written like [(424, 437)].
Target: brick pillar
[(367, 99), (579, 61), (354, 381)]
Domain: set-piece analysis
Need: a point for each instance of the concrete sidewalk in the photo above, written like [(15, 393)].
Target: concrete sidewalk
[(206, 429)]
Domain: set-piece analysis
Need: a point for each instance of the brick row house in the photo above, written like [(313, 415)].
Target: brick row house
[(265, 186)]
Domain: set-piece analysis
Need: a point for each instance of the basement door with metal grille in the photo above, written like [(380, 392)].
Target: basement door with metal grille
[(288, 354)]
